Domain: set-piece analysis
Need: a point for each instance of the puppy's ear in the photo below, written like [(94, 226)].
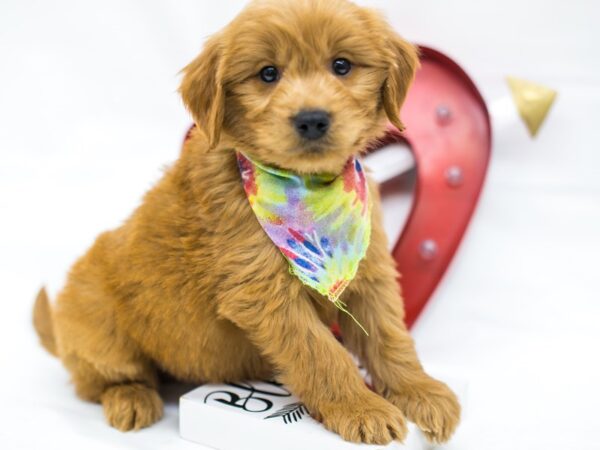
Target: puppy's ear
[(403, 65), (202, 90)]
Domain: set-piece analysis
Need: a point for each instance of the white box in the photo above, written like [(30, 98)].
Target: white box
[(262, 415)]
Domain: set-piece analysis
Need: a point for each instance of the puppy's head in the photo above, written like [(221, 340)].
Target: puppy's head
[(300, 84)]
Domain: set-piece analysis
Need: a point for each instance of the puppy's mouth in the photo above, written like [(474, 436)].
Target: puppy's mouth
[(314, 150)]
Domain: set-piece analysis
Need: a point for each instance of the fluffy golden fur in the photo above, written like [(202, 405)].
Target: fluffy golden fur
[(191, 285)]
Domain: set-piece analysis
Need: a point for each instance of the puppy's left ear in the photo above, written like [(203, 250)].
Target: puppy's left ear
[(404, 62), (202, 90)]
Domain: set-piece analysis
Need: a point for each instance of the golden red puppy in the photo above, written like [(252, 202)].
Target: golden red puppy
[(191, 285)]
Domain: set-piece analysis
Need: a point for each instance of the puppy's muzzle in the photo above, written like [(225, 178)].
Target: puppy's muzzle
[(312, 124)]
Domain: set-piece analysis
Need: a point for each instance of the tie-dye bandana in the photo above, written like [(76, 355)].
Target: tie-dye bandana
[(321, 223)]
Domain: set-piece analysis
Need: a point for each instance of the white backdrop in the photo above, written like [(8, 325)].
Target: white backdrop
[(89, 114)]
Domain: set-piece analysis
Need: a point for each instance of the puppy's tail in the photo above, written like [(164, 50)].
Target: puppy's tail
[(42, 322)]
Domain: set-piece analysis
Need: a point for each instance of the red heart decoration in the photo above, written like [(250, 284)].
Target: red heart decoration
[(449, 132)]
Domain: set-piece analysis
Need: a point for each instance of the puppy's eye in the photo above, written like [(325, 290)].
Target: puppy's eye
[(341, 66), (269, 74)]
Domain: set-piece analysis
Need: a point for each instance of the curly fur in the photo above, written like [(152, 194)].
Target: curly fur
[(192, 286)]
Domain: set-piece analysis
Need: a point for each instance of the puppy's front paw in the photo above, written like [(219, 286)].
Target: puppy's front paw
[(131, 406), (369, 419), (432, 406)]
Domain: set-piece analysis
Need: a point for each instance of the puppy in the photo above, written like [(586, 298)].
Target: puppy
[(191, 285)]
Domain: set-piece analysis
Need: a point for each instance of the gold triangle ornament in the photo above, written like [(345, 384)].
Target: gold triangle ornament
[(533, 102)]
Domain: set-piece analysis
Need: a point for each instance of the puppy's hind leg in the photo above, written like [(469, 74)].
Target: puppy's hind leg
[(106, 365), (128, 393)]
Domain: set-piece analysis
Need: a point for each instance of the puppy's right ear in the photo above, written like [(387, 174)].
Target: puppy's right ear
[(202, 90)]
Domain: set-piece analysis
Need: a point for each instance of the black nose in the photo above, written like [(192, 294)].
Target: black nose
[(312, 124)]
